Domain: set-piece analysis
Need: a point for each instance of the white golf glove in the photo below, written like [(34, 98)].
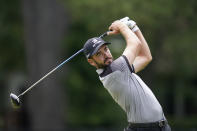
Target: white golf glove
[(130, 23)]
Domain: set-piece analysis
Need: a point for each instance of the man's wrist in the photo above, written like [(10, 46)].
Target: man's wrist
[(135, 28)]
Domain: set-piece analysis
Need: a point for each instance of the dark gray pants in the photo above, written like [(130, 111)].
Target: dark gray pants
[(164, 128)]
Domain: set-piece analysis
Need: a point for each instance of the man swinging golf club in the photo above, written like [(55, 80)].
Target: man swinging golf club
[(144, 113)]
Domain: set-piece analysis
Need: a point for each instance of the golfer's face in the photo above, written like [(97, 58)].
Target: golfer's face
[(103, 57)]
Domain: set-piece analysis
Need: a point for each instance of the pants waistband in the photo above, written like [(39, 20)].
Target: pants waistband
[(161, 123)]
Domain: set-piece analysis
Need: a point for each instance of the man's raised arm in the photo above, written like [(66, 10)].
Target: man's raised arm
[(144, 56), (133, 43)]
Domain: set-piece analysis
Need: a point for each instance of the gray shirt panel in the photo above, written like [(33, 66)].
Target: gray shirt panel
[(131, 93)]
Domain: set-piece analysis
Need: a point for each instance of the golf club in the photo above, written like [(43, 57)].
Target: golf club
[(15, 99)]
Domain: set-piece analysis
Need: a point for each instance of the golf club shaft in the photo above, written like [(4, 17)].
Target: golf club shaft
[(103, 35), (81, 50)]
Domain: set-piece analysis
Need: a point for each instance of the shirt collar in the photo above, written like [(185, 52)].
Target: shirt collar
[(99, 71)]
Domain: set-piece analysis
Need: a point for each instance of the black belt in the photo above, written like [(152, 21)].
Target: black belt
[(161, 123)]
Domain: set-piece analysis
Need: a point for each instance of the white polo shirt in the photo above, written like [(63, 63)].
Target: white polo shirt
[(130, 92)]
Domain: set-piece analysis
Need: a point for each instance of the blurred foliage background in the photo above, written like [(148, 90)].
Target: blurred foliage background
[(35, 36)]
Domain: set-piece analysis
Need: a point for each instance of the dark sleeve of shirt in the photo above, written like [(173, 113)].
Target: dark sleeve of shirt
[(131, 67)]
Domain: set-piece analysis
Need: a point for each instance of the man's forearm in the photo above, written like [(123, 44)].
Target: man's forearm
[(129, 36), (145, 51), (144, 56)]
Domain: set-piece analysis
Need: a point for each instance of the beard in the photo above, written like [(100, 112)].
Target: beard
[(107, 62)]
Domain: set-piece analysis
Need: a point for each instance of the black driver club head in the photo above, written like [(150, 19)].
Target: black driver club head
[(15, 100)]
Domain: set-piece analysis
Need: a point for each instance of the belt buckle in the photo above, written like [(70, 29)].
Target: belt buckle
[(161, 123)]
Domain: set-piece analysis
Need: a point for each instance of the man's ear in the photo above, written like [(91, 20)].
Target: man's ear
[(91, 61)]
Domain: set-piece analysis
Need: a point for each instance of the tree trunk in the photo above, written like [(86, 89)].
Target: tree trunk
[(44, 25)]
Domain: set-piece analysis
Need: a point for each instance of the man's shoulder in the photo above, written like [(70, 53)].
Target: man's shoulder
[(122, 64), (120, 60)]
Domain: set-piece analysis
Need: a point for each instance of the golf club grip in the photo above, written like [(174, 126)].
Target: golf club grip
[(78, 52)]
